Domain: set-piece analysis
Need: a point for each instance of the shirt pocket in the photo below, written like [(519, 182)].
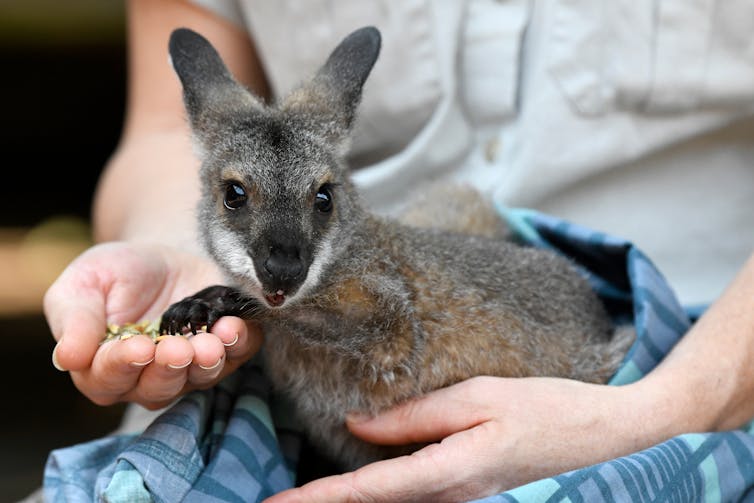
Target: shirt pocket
[(489, 58), (653, 56)]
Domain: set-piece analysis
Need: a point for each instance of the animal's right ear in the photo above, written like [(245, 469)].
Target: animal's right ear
[(208, 87)]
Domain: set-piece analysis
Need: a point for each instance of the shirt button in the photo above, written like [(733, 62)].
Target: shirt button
[(492, 149)]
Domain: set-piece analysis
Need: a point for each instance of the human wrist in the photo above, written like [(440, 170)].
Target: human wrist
[(654, 409), (639, 417), (677, 398)]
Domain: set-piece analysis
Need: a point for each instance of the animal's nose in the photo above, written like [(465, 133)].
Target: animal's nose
[(284, 264)]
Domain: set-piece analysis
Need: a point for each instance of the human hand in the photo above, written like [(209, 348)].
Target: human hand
[(495, 434), (129, 282)]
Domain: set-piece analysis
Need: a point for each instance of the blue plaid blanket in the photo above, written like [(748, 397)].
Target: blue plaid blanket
[(228, 444)]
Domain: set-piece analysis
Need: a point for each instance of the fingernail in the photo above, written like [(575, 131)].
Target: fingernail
[(357, 417), (213, 367), (231, 343), (55, 360), (142, 364), (178, 367)]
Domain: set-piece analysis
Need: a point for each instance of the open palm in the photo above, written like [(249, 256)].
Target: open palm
[(129, 282)]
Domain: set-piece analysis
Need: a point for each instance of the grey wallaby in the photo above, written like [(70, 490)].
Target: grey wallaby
[(359, 312)]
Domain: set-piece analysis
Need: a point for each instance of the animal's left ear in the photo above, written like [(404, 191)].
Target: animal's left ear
[(330, 100)]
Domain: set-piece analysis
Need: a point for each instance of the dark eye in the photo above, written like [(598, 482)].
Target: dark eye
[(235, 196), (323, 200)]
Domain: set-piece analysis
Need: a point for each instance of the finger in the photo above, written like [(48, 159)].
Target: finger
[(454, 470), (241, 339), (115, 369), (163, 380), (429, 418), (209, 356), (77, 322)]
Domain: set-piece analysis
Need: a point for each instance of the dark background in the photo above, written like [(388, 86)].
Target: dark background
[(62, 82)]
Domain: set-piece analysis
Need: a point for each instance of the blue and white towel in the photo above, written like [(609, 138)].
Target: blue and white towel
[(222, 445)]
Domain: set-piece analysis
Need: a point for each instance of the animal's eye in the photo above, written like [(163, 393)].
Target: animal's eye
[(323, 200), (235, 196)]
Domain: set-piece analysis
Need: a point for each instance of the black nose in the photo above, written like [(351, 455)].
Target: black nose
[(284, 264)]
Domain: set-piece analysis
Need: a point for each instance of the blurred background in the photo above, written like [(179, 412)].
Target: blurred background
[(62, 82)]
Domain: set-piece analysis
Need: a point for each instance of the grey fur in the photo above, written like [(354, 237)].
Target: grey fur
[(383, 312)]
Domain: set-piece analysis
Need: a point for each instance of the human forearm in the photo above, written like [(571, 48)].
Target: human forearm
[(709, 373), (149, 190)]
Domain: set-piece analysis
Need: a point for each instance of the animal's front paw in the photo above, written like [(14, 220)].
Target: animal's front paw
[(192, 313), (203, 309)]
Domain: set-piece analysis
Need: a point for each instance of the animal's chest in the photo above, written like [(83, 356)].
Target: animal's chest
[(331, 364), (320, 383)]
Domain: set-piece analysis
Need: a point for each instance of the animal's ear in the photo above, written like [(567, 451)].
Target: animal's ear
[(330, 100), (208, 87)]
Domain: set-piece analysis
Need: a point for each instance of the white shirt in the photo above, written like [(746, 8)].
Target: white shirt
[(627, 116)]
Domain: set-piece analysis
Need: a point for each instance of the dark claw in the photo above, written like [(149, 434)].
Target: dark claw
[(191, 313), (200, 315)]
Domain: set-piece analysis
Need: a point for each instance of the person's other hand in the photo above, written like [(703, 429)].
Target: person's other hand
[(129, 282), (494, 434)]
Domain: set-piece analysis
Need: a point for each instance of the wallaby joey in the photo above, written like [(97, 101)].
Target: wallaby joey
[(359, 312)]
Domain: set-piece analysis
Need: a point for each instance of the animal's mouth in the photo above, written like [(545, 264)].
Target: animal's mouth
[(276, 299)]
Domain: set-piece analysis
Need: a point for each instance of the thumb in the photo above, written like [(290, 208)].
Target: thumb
[(429, 418), (76, 317)]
